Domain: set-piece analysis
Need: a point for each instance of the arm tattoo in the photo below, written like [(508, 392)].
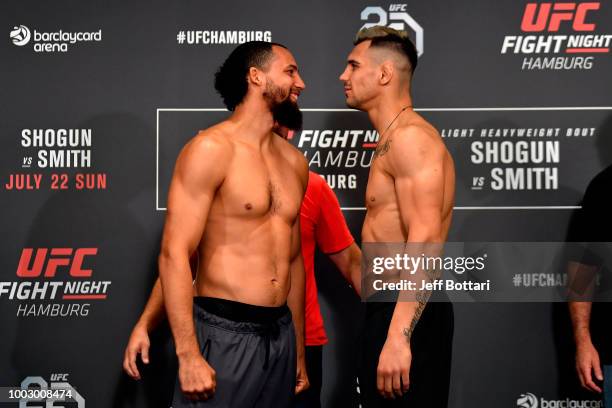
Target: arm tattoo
[(417, 315), (421, 297)]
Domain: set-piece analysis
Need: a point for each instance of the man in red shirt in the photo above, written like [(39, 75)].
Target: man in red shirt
[(322, 225)]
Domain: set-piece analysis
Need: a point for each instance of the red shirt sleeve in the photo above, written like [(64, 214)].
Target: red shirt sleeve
[(332, 233)]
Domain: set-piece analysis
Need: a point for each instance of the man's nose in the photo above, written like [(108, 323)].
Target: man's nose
[(299, 83), (344, 76)]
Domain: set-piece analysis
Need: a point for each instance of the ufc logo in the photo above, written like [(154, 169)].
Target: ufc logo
[(58, 377), (397, 7), (541, 18), (58, 257)]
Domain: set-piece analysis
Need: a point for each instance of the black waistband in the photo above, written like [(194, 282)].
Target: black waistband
[(241, 312)]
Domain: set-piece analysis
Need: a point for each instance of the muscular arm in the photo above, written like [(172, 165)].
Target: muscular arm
[(199, 171), (295, 298), (333, 236), (415, 160), (580, 313), (348, 262), (154, 312), (581, 278), (418, 165), (588, 364)]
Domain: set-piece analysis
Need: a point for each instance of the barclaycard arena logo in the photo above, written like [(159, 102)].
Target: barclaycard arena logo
[(529, 400), (20, 35), (54, 282), (558, 36), (397, 18), (49, 42), (337, 154), (35, 389)]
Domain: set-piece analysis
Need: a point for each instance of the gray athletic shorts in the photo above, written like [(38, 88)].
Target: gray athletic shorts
[(252, 350)]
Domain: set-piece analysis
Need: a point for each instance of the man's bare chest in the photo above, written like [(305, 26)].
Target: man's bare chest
[(380, 189), (256, 187)]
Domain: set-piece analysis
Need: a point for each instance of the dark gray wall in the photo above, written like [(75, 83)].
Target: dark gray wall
[(117, 86)]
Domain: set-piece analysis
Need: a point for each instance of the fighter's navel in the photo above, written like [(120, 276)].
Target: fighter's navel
[(248, 206)]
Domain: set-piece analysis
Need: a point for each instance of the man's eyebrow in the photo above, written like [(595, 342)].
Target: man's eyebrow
[(292, 66), (352, 61)]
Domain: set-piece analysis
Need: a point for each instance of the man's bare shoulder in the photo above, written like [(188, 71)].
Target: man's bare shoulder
[(206, 154), (416, 145), (211, 142), (296, 159)]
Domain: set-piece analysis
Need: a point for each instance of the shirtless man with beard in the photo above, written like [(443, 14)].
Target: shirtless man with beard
[(409, 199), (235, 199)]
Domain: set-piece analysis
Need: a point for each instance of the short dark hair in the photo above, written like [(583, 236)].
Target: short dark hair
[(230, 78), (390, 39)]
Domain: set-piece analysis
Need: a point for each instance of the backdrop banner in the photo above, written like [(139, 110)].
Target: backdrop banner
[(98, 98)]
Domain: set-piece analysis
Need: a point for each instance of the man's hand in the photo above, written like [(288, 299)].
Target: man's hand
[(138, 344), (301, 377), (393, 367), (197, 377), (587, 363)]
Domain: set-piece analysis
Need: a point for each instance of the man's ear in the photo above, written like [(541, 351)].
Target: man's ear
[(387, 70), (255, 76)]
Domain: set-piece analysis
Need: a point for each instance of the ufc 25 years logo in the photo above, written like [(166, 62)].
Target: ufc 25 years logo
[(58, 382), (397, 18)]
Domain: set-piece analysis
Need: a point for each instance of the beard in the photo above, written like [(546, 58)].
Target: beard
[(284, 110)]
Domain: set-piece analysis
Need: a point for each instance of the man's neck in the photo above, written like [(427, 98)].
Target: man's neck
[(253, 120), (386, 111)]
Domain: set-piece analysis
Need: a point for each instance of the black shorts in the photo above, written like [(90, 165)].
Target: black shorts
[(252, 350), (431, 346)]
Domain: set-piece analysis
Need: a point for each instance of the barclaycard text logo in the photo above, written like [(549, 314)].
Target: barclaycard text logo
[(397, 18), (527, 401), (52, 41), (20, 35)]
